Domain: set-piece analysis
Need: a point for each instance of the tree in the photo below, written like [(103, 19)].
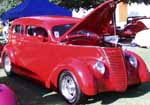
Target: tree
[(7, 4), (138, 1), (71, 4)]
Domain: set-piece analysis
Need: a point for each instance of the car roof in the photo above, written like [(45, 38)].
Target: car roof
[(52, 20)]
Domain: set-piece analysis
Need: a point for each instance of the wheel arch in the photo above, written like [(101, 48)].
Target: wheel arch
[(80, 70), (142, 68), (10, 54)]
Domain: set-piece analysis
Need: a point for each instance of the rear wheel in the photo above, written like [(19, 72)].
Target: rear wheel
[(69, 88), (7, 65)]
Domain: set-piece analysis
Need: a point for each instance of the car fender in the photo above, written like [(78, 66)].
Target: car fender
[(10, 53), (84, 76), (142, 68)]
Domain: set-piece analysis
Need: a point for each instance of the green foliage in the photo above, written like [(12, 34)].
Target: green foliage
[(7, 4), (70, 4), (138, 1)]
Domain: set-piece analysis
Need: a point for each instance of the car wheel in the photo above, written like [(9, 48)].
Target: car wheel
[(7, 65), (69, 88)]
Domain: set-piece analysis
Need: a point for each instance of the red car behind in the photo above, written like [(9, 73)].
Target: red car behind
[(71, 55), (133, 26)]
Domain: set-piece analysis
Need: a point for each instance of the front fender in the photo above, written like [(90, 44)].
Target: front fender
[(80, 70), (142, 68)]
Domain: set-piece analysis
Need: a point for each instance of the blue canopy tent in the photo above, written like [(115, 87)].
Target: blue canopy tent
[(35, 8)]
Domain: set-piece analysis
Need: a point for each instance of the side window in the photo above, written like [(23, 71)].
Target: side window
[(35, 31), (18, 29)]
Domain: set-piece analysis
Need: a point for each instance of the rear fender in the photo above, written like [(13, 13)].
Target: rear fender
[(84, 76), (9, 52)]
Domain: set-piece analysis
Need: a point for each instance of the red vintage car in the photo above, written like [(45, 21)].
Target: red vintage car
[(133, 26), (70, 55), (7, 96)]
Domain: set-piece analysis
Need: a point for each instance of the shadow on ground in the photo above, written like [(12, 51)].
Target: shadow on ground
[(31, 93), (108, 98)]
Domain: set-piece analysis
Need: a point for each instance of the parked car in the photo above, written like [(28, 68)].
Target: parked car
[(7, 96), (70, 55), (133, 26), (132, 19)]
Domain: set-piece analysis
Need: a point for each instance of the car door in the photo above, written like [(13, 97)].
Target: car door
[(36, 53), (17, 36)]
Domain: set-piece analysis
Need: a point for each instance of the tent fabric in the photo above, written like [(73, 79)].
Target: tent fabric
[(35, 8)]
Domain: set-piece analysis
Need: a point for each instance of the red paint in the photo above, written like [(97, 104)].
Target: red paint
[(45, 58)]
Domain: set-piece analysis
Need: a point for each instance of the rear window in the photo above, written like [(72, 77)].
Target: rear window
[(18, 29)]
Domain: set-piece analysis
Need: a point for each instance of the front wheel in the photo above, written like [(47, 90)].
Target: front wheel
[(69, 88), (7, 65)]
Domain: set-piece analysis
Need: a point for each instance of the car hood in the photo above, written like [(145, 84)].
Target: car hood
[(98, 21)]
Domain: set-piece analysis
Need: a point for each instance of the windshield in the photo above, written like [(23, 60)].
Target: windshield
[(59, 30)]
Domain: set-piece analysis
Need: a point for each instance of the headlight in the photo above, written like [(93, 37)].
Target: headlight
[(100, 67), (133, 61)]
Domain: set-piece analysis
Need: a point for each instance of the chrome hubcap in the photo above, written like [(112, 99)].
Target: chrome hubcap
[(68, 87), (7, 64)]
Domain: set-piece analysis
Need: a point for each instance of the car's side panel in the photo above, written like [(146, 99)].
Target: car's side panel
[(38, 57), (43, 57)]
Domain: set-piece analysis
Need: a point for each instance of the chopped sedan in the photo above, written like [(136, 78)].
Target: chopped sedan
[(70, 55)]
